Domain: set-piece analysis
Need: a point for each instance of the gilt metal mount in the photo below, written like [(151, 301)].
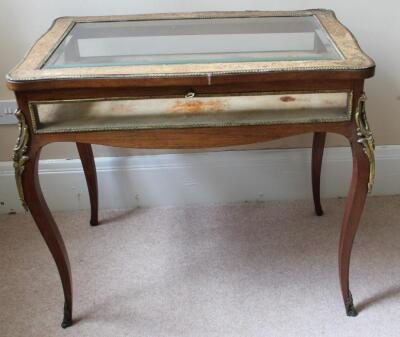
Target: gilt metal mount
[(19, 156), (365, 138)]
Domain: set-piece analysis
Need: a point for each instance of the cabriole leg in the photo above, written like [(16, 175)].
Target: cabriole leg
[(317, 154), (26, 158), (362, 145), (48, 228), (89, 167)]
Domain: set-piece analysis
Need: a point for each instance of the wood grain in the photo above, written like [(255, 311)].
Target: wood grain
[(191, 138), (317, 154), (89, 168)]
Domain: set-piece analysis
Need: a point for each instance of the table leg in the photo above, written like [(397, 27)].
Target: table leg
[(89, 167), (354, 206), (317, 154), (37, 205)]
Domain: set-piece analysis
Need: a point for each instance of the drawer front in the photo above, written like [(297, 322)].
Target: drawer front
[(190, 111)]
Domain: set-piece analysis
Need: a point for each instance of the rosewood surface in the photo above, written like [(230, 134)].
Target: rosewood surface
[(29, 145)]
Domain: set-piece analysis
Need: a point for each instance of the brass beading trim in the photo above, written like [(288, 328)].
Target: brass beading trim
[(36, 120), (343, 40)]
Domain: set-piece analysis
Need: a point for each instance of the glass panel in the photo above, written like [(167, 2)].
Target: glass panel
[(193, 41), (177, 112)]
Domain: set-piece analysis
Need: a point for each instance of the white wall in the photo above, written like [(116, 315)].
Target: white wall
[(200, 178), (375, 24)]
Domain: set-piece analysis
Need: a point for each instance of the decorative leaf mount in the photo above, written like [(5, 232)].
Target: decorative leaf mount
[(365, 138), (19, 156)]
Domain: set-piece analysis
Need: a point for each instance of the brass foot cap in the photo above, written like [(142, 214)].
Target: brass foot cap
[(66, 323), (351, 311), (94, 223)]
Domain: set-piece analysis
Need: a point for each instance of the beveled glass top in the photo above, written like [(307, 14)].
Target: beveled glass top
[(204, 47), (199, 40)]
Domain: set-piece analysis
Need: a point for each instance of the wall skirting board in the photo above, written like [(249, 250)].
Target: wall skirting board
[(185, 179)]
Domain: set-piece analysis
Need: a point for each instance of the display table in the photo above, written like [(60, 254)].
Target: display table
[(186, 81)]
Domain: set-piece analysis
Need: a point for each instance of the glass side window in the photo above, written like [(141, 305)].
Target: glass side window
[(183, 112), (180, 41)]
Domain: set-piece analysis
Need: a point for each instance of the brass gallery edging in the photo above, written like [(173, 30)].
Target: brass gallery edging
[(188, 74), (59, 42), (345, 43), (19, 156), (36, 122), (365, 138), (203, 17)]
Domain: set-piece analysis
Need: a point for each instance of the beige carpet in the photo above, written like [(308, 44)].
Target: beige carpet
[(264, 269)]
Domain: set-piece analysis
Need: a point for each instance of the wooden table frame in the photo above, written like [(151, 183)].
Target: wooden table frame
[(30, 144)]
